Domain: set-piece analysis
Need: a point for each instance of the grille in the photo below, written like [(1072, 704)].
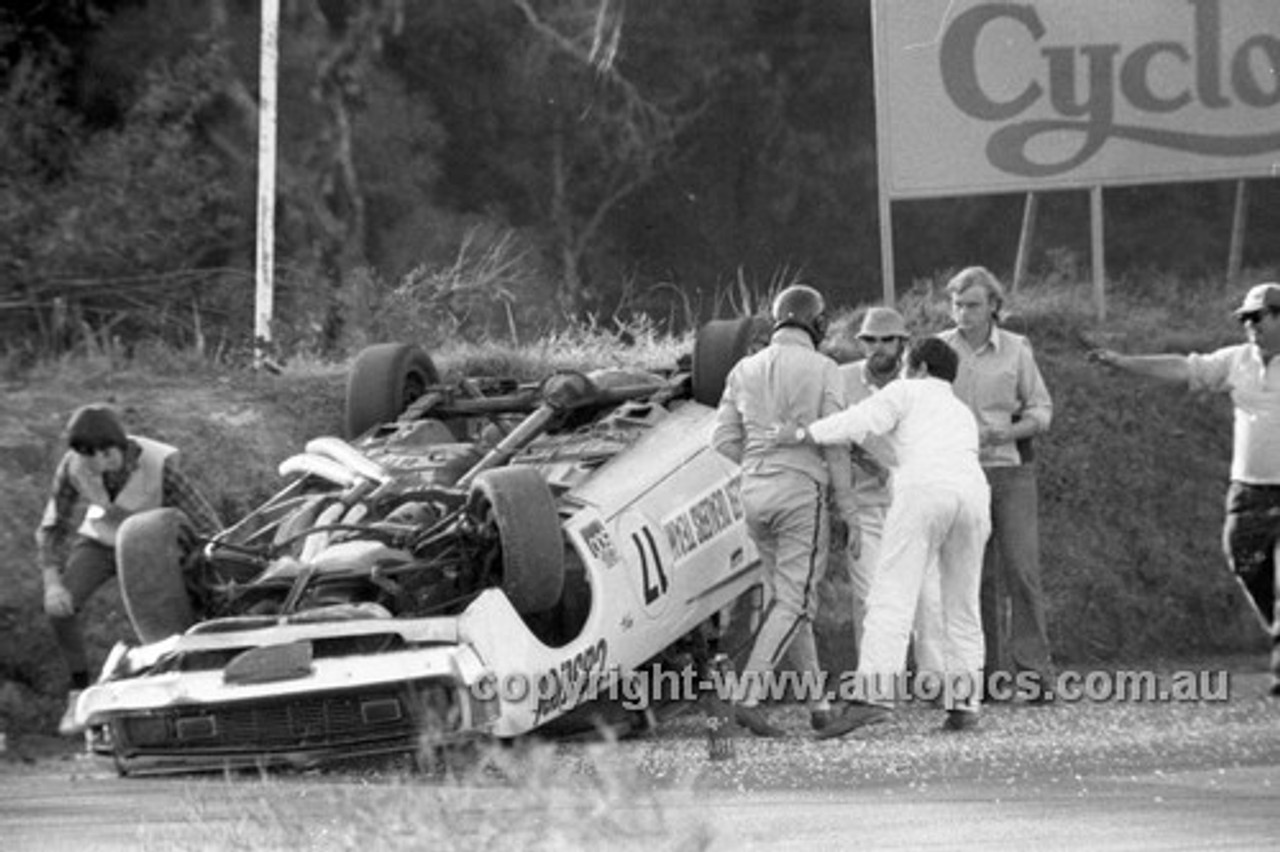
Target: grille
[(314, 721)]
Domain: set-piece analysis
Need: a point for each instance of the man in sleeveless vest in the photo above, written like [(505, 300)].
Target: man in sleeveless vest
[(113, 475)]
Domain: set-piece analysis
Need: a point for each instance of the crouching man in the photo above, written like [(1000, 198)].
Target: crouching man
[(114, 475)]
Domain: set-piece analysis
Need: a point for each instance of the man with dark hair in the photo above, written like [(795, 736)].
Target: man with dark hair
[(999, 380), (938, 516), (785, 489), (1251, 531), (116, 475)]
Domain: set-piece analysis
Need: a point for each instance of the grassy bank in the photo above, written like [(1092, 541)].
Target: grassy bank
[(1132, 475)]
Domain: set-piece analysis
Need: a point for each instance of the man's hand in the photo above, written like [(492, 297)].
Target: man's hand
[(57, 600), (991, 436), (846, 533), (114, 514), (788, 433), (869, 464), (1106, 357)]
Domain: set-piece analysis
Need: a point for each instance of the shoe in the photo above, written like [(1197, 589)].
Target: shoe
[(856, 715), (960, 720), (1274, 692), (752, 718), (819, 719), (67, 725)]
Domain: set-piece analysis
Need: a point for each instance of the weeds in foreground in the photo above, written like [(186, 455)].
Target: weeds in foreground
[(531, 797)]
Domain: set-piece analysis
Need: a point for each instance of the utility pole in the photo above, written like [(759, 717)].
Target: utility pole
[(264, 270)]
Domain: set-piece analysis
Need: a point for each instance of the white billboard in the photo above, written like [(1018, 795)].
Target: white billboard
[(980, 97)]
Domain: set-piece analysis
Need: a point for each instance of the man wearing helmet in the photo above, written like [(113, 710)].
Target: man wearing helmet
[(785, 489), (114, 475)]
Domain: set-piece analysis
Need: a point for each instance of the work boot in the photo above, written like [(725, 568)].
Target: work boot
[(960, 720), (753, 719), (819, 718), (859, 714), (67, 725)]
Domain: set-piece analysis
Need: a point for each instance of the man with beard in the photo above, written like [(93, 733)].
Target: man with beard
[(883, 338)]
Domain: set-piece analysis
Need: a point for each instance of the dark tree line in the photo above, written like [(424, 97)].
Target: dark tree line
[(487, 166)]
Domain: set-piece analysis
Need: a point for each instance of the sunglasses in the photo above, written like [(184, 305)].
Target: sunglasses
[(1253, 317), (867, 338)]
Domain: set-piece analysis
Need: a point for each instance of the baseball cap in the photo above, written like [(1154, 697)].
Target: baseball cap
[(884, 322), (1261, 297)]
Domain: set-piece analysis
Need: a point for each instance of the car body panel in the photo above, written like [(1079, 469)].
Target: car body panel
[(655, 550)]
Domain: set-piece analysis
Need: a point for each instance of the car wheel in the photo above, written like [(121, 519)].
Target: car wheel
[(518, 502), (150, 548), (720, 344), (383, 381)]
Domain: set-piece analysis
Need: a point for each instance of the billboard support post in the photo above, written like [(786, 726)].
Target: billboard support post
[(1098, 252), (1239, 222), (886, 250), (1025, 239)]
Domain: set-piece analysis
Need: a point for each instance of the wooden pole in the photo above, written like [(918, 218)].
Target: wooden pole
[(1025, 239), (1098, 252), (264, 269), (1239, 222)]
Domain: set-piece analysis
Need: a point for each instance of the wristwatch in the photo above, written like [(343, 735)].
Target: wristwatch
[(802, 435)]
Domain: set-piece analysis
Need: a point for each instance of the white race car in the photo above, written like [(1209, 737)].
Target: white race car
[(479, 559)]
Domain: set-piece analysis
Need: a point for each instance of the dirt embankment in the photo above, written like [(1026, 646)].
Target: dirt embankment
[(233, 430), (1131, 476)]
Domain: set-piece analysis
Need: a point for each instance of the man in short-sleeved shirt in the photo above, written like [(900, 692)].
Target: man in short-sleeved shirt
[(1249, 374)]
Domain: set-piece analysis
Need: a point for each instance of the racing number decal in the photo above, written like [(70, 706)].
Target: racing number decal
[(649, 563), (654, 575)]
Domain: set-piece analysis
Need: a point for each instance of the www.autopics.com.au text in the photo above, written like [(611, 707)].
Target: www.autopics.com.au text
[(642, 688)]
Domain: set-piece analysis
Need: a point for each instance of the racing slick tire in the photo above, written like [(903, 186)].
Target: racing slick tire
[(150, 550), (518, 502), (719, 345), (384, 380)]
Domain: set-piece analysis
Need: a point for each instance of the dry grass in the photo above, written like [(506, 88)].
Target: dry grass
[(1131, 475)]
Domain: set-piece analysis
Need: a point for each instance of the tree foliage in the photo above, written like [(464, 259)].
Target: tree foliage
[(644, 156)]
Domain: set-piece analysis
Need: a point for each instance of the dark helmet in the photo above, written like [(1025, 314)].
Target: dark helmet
[(803, 307)]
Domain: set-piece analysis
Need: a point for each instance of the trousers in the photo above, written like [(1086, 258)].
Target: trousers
[(787, 519), (89, 565), (930, 531), (1013, 612)]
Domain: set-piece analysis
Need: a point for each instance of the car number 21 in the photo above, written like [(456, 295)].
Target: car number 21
[(653, 575)]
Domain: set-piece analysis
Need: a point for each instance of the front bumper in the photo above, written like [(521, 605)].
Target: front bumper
[(334, 708)]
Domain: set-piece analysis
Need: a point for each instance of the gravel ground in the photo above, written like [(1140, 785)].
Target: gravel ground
[(1014, 743)]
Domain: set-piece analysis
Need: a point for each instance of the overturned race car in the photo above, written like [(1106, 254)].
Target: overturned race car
[(482, 559)]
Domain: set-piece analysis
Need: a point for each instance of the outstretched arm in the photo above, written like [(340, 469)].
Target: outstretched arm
[(1174, 369)]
